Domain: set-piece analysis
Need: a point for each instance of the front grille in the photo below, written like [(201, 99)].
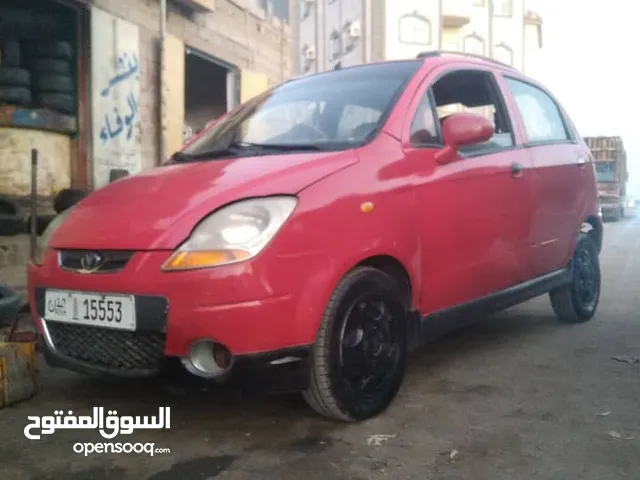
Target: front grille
[(110, 261), (108, 348)]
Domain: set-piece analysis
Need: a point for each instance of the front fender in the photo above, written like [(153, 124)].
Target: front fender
[(333, 233)]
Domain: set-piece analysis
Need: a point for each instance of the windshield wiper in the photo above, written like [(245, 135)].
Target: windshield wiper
[(235, 148), (284, 147), (231, 150)]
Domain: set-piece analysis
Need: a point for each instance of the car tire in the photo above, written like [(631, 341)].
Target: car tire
[(57, 101), (10, 303), (51, 83), (52, 49), (14, 77), (344, 346), (42, 222), (11, 218), (15, 96), (10, 54), (578, 301), (66, 198), (50, 66)]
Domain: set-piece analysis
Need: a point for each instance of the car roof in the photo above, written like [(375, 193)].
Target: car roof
[(452, 56), (442, 56)]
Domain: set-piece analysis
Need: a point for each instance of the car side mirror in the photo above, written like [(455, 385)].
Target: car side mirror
[(462, 129)]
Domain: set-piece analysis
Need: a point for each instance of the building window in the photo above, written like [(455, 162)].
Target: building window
[(335, 45), (503, 53), (414, 29), (475, 44), (502, 8)]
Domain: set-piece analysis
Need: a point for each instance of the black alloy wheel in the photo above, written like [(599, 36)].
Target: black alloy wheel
[(360, 355), (578, 301)]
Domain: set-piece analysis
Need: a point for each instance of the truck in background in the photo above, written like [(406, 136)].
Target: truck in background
[(612, 175)]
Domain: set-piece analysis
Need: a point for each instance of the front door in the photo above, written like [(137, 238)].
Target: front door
[(475, 212)]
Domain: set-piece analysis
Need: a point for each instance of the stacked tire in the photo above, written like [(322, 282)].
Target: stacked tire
[(15, 82), (51, 68)]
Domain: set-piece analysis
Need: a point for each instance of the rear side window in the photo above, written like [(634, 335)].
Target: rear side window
[(542, 118)]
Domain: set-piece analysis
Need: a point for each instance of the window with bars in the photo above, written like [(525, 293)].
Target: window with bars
[(474, 44), (503, 53), (414, 28)]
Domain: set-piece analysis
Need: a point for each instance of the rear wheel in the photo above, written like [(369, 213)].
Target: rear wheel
[(577, 302), (360, 354)]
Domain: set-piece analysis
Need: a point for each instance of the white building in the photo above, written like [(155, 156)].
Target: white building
[(349, 32)]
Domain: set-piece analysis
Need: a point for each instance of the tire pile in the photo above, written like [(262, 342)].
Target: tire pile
[(38, 74)]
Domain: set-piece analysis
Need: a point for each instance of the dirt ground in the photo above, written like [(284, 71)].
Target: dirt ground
[(517, 396)]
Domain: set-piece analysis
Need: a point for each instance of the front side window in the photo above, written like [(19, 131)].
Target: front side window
[(423, 126), (334, 110), (540, 114), (474, 91)]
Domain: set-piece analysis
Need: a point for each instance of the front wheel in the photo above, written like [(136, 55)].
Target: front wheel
[(360, 355), (577, 302)]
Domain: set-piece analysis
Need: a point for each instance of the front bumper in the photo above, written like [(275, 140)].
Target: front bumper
[(252, 312)]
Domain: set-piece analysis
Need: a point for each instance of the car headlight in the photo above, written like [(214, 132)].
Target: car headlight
[(43, 242), (232, 234)]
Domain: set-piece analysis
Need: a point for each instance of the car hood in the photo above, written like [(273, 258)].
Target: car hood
[(157, 209)]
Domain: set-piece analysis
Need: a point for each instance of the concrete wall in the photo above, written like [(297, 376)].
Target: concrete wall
[(54, 166), (115, 81), (236, 32)]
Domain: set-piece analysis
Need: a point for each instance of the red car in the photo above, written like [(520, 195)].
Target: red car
[(312, 237)]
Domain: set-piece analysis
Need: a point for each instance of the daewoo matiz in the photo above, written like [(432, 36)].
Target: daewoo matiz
[(313, 236)]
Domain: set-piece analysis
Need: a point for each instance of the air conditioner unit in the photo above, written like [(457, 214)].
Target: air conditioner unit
[(310, 53), (354, 30)]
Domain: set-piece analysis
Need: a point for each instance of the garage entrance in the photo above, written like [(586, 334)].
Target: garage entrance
[(210, 90)]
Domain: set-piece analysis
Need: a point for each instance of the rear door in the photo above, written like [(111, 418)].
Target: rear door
[(474, 212), (561, 166)]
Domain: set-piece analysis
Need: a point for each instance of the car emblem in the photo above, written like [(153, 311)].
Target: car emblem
[(90, 262)]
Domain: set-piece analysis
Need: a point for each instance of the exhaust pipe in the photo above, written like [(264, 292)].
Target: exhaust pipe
[(208, 359)]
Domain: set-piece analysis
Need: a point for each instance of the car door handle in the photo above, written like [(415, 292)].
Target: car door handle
[(517, 169), (581, 161)]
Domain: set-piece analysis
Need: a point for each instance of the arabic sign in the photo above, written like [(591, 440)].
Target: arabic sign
[(109, 426), (115, 77)]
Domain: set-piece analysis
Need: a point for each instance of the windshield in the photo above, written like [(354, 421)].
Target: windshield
[(334, 110)]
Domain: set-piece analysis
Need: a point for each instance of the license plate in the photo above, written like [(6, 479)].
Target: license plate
[(95, 309)]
